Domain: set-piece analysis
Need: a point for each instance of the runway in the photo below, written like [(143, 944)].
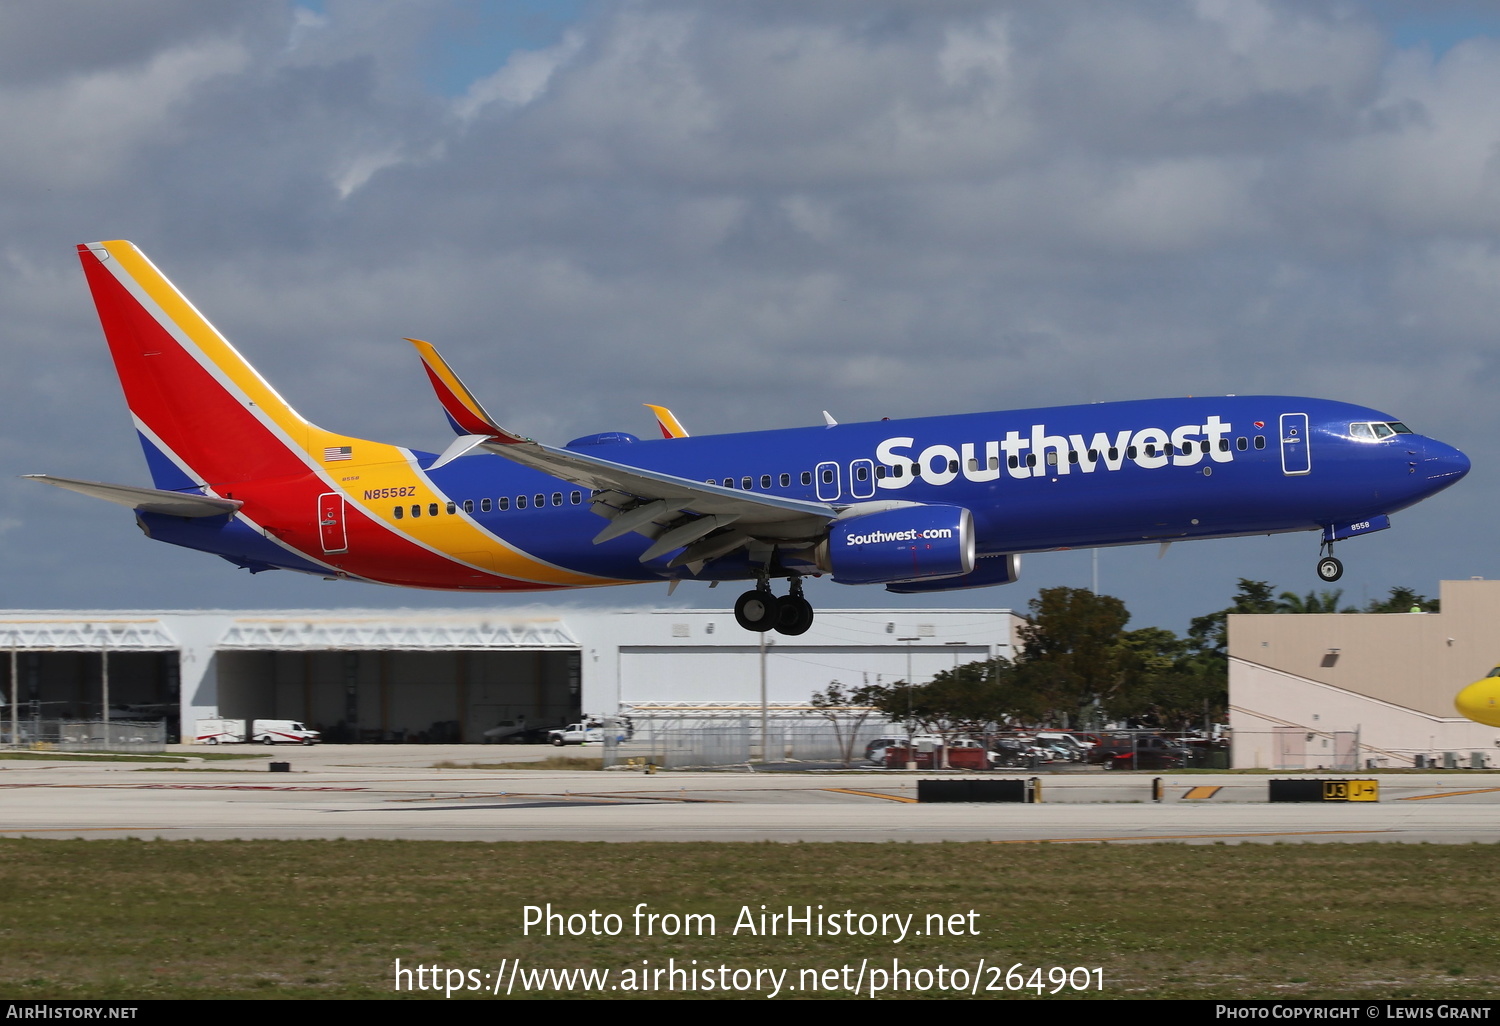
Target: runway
[(391, 792)]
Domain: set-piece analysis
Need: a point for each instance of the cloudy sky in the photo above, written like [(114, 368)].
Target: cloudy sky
[(752, 212)]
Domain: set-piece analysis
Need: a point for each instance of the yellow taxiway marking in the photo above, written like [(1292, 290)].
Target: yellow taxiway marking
[(870, 794), (1201, 791), (1446, 794), (1182, 837)]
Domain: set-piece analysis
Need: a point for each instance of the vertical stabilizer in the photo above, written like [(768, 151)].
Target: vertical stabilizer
[(205, 416)]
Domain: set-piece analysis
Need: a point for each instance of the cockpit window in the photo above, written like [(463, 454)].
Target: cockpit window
[(1388, 429), (1494, 673)]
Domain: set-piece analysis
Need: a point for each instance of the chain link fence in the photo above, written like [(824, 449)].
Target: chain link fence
[(87, 736), (701, 739)]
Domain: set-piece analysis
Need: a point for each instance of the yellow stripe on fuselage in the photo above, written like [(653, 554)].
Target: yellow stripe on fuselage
[(381, 477)]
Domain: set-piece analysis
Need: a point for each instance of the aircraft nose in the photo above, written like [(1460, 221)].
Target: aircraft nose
[(1480, 701), (1443, 462)]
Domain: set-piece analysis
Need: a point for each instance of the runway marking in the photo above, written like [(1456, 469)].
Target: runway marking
[(869, 794), (1201, 791), (1182, 837), (73, 830), (238, 787), (1446, 794)]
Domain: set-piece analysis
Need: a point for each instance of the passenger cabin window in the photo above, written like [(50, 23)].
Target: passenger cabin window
[(786, 480), (765, 481), (1260, 441), (468, 505), (400, 512), (557, 498), (539, 499), (576, 498), (747, 483), (452, 509), (520, 501), (484, 505), (432, 509), (1242, 443), (416, 510), (807, 477)]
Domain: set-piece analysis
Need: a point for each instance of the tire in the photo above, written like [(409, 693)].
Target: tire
[(794, 616), (1330, 569), (757, 611), (212, 741), (558, 742), (268, 740)]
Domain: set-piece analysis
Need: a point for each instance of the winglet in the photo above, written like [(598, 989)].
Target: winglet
[(667, 422), (463, 410)]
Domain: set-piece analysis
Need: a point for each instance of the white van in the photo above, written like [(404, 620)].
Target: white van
[(263, 732)]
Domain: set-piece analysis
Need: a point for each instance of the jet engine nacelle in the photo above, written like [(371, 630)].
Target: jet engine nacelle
[(909, 543)]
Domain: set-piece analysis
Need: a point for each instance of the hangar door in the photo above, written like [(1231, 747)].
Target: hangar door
[(394, 682)]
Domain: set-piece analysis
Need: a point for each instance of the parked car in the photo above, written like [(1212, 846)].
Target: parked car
[(1148, 753)]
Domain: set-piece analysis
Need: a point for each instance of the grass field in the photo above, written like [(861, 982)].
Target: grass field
[(182, 919)]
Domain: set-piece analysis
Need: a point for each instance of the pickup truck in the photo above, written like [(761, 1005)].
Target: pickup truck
[(587, 733)]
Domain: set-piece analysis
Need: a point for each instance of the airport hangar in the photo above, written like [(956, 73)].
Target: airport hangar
[(447, 676), (1364, 689)]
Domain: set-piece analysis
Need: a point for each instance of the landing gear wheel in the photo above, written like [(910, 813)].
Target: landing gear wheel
[(1330, 569), (794, 616), (757, 610)]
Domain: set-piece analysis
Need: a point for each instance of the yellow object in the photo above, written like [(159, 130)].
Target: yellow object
[(1480, 701)]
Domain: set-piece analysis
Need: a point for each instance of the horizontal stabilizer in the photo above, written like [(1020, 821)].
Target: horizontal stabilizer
[(147, 500)]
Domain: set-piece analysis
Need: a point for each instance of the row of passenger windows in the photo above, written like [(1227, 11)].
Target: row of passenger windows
[(487, 505), (746, 483), (861, 473), (1131, 452)]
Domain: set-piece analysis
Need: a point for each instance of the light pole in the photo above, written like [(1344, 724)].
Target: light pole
[(911, 734)]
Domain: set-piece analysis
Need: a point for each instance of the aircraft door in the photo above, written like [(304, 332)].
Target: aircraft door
[(1295, 457), (331, 523), (862, 479), (827, 475)]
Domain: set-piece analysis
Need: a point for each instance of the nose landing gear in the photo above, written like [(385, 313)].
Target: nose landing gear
[(760, 610), (1329, 568)]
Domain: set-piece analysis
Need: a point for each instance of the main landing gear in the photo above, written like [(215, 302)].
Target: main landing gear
[(1329, 568), (761, 611)]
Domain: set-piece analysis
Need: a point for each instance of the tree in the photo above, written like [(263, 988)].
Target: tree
[(1209, 634), (1403, 600), (846, 709), (1072, 656), (1320, 602)]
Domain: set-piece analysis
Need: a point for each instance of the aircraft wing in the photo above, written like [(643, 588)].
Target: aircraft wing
[(147, 500), (707, 520)]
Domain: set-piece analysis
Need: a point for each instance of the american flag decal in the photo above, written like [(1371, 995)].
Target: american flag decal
[(334, 453)]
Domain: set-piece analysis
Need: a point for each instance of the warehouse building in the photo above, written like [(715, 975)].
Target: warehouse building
[(451, 676), (1357, 690)]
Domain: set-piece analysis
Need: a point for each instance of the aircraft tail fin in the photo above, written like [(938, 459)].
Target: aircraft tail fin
[(205, 416)]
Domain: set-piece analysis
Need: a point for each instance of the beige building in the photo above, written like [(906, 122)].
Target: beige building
[(1354, 690)]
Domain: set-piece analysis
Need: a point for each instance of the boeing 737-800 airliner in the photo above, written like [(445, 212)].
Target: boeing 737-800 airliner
[(925, 505)]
